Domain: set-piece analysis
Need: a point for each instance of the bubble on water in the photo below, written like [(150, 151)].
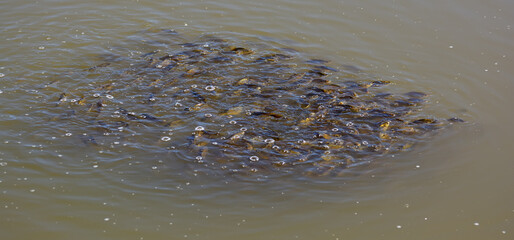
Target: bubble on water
[(165, 139), (32, 190), (2, 75), (232, 122), (208, 115), (253, 170), (254, 158), (41, 48), (107, 219), (399, 226), (301, 141), (194, 86), (210, 88), (205, 45), (177, 104), (365, 143), (95, 166), (296, 128), (154, 167), (476, 223), (109, 96), (335, 129), (3, 164), (349, 124), (269, 140), (243, 129), (275, 147), (280, 163), (96, 95), (1, 91), (67, 134), (199, 128)]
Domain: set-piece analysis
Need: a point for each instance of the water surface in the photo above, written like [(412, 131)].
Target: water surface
[(455, 186)]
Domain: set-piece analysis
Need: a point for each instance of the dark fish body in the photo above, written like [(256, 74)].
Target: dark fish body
[(243, 108)]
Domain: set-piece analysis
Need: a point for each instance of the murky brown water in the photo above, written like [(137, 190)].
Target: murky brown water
[(455, 186)]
